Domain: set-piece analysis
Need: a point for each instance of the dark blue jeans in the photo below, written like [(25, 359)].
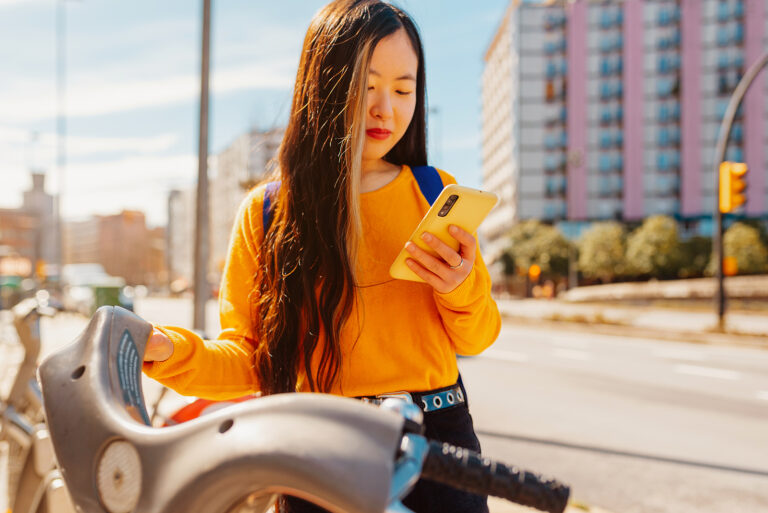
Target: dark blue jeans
[(452, 425)]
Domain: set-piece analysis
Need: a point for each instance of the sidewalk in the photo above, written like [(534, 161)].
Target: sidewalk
[(692, 325)]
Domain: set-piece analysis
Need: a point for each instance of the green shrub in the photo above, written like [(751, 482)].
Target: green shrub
[(601, 251), (653, 249), (532, 242)]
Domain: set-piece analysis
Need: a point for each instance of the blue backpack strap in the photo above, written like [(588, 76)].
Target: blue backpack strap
[(429, 181), (427, 177), (270, 194)]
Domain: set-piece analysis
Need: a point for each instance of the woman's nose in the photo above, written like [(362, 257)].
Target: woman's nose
[(381, 107)]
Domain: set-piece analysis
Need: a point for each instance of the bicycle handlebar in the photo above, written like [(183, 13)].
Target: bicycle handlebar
[(469, 471)]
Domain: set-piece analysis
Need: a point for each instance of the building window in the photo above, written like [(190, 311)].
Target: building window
[(606, 116), (606, 139), (662, 161), (676, 111), (551, 70), (737, 133), (723, 11), (606, 19), (618, 162), (738, 10), (549, 91), (665, 17), (722, 106), (663, 138), (723, 36), (663, 113), (738, 34), (674, 136), (734, 154), (604, 163)]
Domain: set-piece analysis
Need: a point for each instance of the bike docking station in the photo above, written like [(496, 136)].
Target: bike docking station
[(30, 482), (339, 453)]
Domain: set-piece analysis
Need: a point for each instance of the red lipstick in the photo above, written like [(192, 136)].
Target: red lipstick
[(378, 133)]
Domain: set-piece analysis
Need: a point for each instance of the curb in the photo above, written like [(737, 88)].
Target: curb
[(628, 330)]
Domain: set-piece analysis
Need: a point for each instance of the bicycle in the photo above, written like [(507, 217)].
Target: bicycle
[(34, 484), (340, 453)]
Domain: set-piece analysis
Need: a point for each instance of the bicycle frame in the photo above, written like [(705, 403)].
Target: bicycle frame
[(25, 396)]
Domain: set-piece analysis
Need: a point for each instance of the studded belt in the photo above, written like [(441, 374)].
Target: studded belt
[(429, 401)]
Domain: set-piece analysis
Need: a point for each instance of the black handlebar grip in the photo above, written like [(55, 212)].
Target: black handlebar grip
[(471, 472)]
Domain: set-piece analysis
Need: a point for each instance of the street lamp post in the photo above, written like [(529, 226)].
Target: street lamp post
[(202, 231), (722, 144)]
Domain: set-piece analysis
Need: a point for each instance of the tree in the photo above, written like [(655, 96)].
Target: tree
[(743, 242), (760, 226), (695, 255), (532, 242), (601, 251), (653, 250)]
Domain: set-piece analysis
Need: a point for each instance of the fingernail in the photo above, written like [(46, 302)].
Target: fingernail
[(409, 246), (454, 229), (427, 237)]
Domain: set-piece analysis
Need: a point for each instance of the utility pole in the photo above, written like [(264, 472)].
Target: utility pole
[(722, 144), (202, 233), (61, 126)]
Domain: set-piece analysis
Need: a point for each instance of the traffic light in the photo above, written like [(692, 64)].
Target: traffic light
[(534, 272), (732, 185)]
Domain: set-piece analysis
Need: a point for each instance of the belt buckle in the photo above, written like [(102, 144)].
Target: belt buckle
[(402, 395)]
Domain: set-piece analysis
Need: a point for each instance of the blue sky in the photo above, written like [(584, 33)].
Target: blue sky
[(133, 90)]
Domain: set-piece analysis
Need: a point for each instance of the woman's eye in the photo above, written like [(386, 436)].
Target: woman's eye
[(403, 93)]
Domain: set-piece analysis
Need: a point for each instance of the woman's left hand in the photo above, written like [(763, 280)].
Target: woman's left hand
[(447, 272)]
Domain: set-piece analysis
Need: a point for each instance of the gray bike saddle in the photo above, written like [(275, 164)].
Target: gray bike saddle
[(336, 452)]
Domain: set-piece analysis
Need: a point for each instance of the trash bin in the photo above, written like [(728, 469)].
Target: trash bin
[(106, 295), (10, 291)]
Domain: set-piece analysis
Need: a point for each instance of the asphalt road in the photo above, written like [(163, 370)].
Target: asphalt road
[(633, 425)]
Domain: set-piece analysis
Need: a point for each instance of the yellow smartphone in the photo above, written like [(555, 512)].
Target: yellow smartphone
[(457, 205)]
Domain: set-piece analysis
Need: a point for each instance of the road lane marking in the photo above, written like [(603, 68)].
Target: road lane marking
[(506, 356), (679, 354), (571, 354), (763, 394), (572, 342), (707, 372)]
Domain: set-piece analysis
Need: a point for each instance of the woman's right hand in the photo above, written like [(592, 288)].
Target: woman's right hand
[(159, 347)]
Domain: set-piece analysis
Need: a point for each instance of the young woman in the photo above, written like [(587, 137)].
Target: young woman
[(306, 300)]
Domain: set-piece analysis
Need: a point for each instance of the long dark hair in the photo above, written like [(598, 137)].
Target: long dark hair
[(306, 284)]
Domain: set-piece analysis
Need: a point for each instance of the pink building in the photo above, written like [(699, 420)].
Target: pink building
[(611, 110)]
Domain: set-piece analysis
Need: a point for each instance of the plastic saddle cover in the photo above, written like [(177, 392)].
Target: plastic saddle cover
[(334, 451)]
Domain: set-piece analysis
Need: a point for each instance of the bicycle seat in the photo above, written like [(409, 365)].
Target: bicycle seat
[(336, 452)]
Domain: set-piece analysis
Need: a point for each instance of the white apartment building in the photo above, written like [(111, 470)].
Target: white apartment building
[(233, 171)]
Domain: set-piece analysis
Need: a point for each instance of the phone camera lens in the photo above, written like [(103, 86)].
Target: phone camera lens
[(448, 205)]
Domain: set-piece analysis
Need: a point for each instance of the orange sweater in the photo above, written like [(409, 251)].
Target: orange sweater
[(409, 334)]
